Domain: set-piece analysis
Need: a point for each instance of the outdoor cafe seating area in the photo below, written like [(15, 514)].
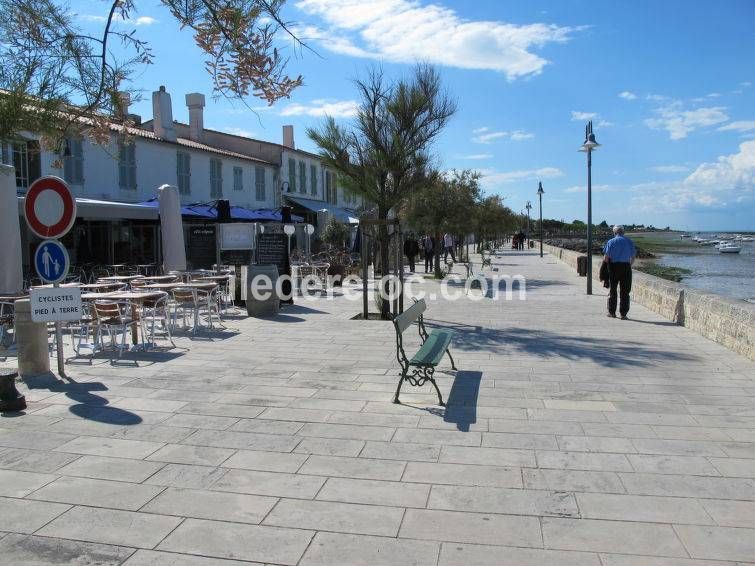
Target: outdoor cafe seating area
[(135, 308)]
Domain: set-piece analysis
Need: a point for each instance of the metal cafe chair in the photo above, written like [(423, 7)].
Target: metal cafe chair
[(185, 303), (155, 319), (114, 317), (209, 301), (82, 330), (7, 322)]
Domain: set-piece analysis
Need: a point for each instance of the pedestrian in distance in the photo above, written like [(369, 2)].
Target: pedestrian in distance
[(448, 247), (428, 246), (411, 249), (619, 253)]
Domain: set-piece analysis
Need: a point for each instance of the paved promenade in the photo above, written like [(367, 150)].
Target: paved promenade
[(569, 439)]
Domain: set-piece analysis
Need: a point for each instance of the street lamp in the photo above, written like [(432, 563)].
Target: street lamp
[(588, 147), (528, 207), (540, 193)]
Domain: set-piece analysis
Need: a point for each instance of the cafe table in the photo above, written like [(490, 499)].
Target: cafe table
[(135, 298), (201, 285), (124, 278)]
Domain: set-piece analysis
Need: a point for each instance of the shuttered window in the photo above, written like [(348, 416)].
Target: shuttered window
[(302, 177), (313, 179), (291, 175), (73, 163), (238, 179), (127, 165), (259, 183), (216, 178), (183, 172)]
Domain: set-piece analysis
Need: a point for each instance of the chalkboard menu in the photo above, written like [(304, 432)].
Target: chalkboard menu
[(272, 250), (201, 250), (236, 257)]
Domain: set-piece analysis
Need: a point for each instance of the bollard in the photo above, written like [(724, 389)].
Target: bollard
[(31, 339), (10, 398)]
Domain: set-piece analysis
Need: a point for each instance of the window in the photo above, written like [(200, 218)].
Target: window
[(127, 165), (184, 172), (331, 188), (302, 177), (21, 163), (216, 178), (313, 179), (259, 183), (238, 179), (291, 175), (73, 163)]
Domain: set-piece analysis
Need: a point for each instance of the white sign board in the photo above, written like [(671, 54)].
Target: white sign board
[(55, 304), (236, 236)]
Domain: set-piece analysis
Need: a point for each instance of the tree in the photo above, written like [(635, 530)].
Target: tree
[(492, 218), (335, 233), (383, 156), (445, 203), (54, 78)]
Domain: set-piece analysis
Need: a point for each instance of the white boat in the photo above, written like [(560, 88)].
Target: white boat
[(729, 248), (747, 239)]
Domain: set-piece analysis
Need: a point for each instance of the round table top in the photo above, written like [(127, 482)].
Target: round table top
[(194, 285), (120, 277)]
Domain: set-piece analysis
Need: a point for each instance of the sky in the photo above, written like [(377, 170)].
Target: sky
[(668, 84)]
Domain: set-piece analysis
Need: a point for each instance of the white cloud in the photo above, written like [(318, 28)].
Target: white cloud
[(627, 95), (491, 177), (745, 84), (477, 156), (739, 126), (679, 122), (726, 183), (321, 107), (485, 135), (138, 21), (580, 116), (406, 31), (519, 135), (238, 132), (670, 169), (605, 124)]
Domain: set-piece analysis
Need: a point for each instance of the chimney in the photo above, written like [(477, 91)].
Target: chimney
[(162, 115), (195, 102), (122, 103), (288, 137)]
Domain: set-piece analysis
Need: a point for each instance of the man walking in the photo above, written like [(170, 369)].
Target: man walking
[(411, 249), (619, 254), (428, 246), (448, 247)]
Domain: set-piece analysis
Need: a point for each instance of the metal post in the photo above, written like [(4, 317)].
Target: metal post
[(541, 223), (59, 344), (365, 302), (589, 221)]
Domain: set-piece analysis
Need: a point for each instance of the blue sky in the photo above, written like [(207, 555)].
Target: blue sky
[(670, 86)]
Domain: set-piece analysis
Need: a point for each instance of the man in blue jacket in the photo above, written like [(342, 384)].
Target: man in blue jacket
[(620, 254)]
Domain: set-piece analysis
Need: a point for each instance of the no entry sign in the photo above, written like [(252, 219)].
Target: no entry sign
[(50, 208)]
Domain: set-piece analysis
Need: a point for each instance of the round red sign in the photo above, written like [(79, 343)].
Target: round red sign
[(50, 208)]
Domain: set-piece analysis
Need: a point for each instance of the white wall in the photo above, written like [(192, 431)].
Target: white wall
[(156, 164)]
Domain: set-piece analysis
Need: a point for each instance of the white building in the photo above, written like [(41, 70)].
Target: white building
[(205, 165)]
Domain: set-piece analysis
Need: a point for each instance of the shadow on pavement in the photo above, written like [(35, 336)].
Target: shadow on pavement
[(89, 406), (608, 352), (461, 404)]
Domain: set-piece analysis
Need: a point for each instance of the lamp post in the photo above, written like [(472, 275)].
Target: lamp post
[(309, 229), (289, 230), (540, 193), (588, 147)]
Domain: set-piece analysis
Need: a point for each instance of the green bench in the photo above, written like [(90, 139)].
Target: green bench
[(421, 364)]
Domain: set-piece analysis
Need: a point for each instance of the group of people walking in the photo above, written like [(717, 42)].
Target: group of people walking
[(428, 247)]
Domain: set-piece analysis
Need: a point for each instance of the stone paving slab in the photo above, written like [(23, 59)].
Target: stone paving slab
[(567, 439)]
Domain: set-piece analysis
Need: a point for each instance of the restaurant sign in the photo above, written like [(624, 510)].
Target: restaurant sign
[(55, 304)]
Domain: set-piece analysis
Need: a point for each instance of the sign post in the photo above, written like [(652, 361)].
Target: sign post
[(50, 211)]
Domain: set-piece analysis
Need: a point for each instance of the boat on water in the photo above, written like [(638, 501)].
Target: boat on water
[(729, 248)]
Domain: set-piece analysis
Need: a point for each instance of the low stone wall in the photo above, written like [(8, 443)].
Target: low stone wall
[(729, 322)]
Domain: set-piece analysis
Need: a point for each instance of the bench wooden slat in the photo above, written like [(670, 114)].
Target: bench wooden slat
[(406, 318), (433, 349)]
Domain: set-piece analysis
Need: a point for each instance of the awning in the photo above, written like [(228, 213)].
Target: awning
[(185, 210), (92, 209), (340, 214)]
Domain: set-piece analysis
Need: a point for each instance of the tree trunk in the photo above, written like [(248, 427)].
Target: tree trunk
[(438, 248), (384, 242)]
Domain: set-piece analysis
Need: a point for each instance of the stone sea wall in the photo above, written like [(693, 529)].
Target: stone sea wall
[(729, 322)]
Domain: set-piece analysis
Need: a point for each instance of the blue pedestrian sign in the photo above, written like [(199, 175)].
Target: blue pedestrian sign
[(51, 261)]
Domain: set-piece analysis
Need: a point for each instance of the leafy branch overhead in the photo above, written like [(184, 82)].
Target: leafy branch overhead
[(55, 78)]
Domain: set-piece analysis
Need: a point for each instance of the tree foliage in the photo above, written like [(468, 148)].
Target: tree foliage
[(384, 154), (55, 78)]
